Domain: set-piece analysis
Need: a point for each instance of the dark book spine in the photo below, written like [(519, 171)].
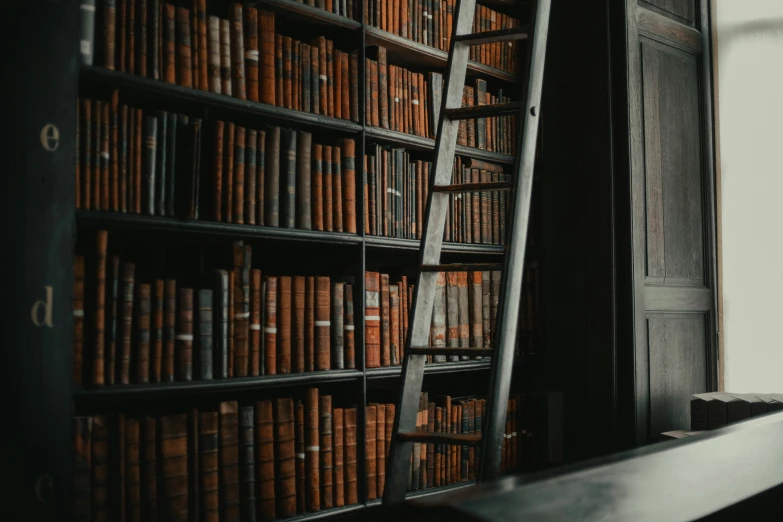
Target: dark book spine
[(156, 331), (171, 163), (82, 469), (380, 448), (225, 57), (349, 338), (238, 199), (169, 330), (317, 188), (284, 324), (337, 190), (266, 29), (149, 469), (298, 327), (261, 178), (229, 462), (326, 451), (337, 326), (213, 59), (315, 79), (78, 321), (394, 325), (109, 15), (205, 338), (132, 471), (200, 8), (303, 180), (143, 312), (305, 76), (247, 459), (184, 345), (237, 51), (313, 476), (279, 74), (285, 467), (159, 171), (220, 324), (174, 467), (301, 470), (170, 43), (251, 177), (126, 321), (270, 326), (322, 323), (87, 31), (183, 62), (241, 316), (154, 40), (150, 148), (265, 459), (288, 182), (272, 178), (141, 38), (348, 175), (256, 300), (208, 444), (327, 187), (99, 460)]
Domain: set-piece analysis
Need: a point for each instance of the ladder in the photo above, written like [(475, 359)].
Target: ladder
[(404, 433)]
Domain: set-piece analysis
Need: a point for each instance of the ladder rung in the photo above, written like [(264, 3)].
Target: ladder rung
[(462, 267), (483, 111), (473, 187), (461, 439), (443, 350), (502, 35)]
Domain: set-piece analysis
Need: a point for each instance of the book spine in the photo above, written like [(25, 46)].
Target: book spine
[(299, 324), (183, 62), (385, 322), (301, 469), (394, 325), (143, 312), (160, 165), (372, 320), (213, 60), (285, 467), (270, 327), (149, 162), (126, 315), (303, 180), (322, 323), (205, 337), (184, 345), (169, 329), (272, 178), (370, 467), (209, 467), (220, 324), (260, 178), (238, 193), (266, 29), (228, 173), (310, 324), (353, 67), (380, 448), (229, 462), (312, 450), (247, 474), (82, 468), (439, 316), (327, 188), (326, 451), (288, 181), (265, 459), (284, 325), (256, 300), (174, 466), (349, 335), (225, 57), (132, 471), (317, 189), (351, 471), (348, 175), (339, 457), (337, 190), (251, 177), (87, 31), (337, 326), (149, 469)]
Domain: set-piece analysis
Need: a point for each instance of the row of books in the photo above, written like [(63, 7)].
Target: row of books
[(233, 323), (150, 162), (405, 101), (430, 22), (718, 409), (267, 460), (396, 190), (240, 55)]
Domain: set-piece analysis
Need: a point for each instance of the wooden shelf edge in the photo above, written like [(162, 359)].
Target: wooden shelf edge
[(431, 368), (165, 90), (420, 143), (312, 13), (152, 390), (98, 219), (428, 492), (448, 247), (429, 55)]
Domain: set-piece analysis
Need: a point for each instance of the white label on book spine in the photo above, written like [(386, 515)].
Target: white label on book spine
[(251, 54), (255, 326), (184, 337), (270, 329), (372, 299), (348, 328), (323, 323), (372, 317)]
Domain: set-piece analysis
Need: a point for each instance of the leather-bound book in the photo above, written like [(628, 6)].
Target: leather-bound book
[(149, 469), (287, 74), (349, 337), (184, 344), (465, 427), (99, 317), (338, 83), (394, 325), (173, 439), (310, 324), (228, 173), (87, 31), (301, 470), (279, 80), (82, 480), (312, 464), (315, 79), (298, 324), (183, 61), (463, 315), (256, 300), (349, 185), (171, 163), (494, 278), (208, 466), (241, 316), (213, 58), (231, 322), (372, 118), (403, 291), (160, 165), (99, 460), (200, 30), (141, 38), (353, 66), (288, 179), (229, 462), (323, 89), (437, 482), (265, 460), (78, 320), (250, 177), (247, 460), (322, 323), (220, 322), (337, 190), (132, 471), (205, 337), (439, 312), (126, 318), (272, 178), (154, 34), (327, 187), (285, 468), (379, 53), (385, 322), (380, 447), (370, 468), (349, 448), (284, 324), (485, 206), (103, 189), (143, 312), (237, 51), (337, 326), (225, 57), (260, 177), (485, 309), (295, 76), (339, 457), (169, 43), (130, 31), (345, 90), (194, 61), (326, 451), (330, 76), (372, 319), (478, 421), (217, 193), (305, 79), (389, 408), (266, 37), (476, 333), (169, 329), (317, 196), (304, 142), (270, 326), (495, 210)]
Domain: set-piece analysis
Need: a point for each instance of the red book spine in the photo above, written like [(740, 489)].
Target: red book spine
[(270, 327), (339, 457), (351, 473), (201, 30), (285, 467), (370, 467), (169, 329), (322, 323), (184, 345), (265, 460), (299, 324), (266, 29), (284, 325), (143, 312), (126, 315), (313, 476)]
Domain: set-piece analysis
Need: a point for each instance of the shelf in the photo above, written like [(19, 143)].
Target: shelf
[(431, 368), (180, 388), (407, 52), (311, 13), (415, 244), (419, 143), (161, 91), (427, 492), (96, 219)]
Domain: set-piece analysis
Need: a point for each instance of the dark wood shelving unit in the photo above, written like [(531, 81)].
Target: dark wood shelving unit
[(393, 243), (431, 368), (310, 13)]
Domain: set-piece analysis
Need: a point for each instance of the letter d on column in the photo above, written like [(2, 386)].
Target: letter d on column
[(46, 304)]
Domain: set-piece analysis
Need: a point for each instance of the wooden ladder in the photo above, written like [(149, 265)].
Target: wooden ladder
[(404, 433)]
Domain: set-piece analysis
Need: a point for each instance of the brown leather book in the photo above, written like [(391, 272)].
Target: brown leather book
[(315, 79), (169, 329), (208, 466), (205, 338), (156, 330), (99, 319), (345, 90), (385, 322), (265, 459), (330, 76), (339, 457), (183, 61), (217, 203), (108, 31), (349, 338), (229, 462), (284, 324), (200, 32), (285, 468), (173, 439), (231, 322), (351, 473), (225, 57), (304, 180), (475, 305), (250, 177), (78, 320), (82, 491), (371, 451), (438, 464), (238, 193), (327, 188), (463, 315), (380, 447), (241, 316), (337, 190), (323, 88), (310, 324), (337, 326), (279, 95), (132, 471), (260, 177), (110, 355), (213, 60), (266, 30), (322, 323), (169, 43), (390, 408), (301, 472), (312, 450), (143, 312), (194, 64), (141, 38), (373, 117), (272, 178), (228, 173), (104, 158), (99, 460), (270, 326), (247, 461), (287, 72), (317, 187), (126, 319), (237, 51), (137, 168), (348, 174), (326, 451), (149, 469), (394, 325), (184, 344), (296, 80), (338, 83), (353, 66), (256, 298), (298, 327), (372, 319)]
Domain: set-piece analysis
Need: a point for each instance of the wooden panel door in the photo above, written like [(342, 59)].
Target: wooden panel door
[(671, 212)]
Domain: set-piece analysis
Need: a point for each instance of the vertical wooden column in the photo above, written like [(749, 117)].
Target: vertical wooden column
[(38, 103)]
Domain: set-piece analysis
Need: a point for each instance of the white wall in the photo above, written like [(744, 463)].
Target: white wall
[(750, 71)]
